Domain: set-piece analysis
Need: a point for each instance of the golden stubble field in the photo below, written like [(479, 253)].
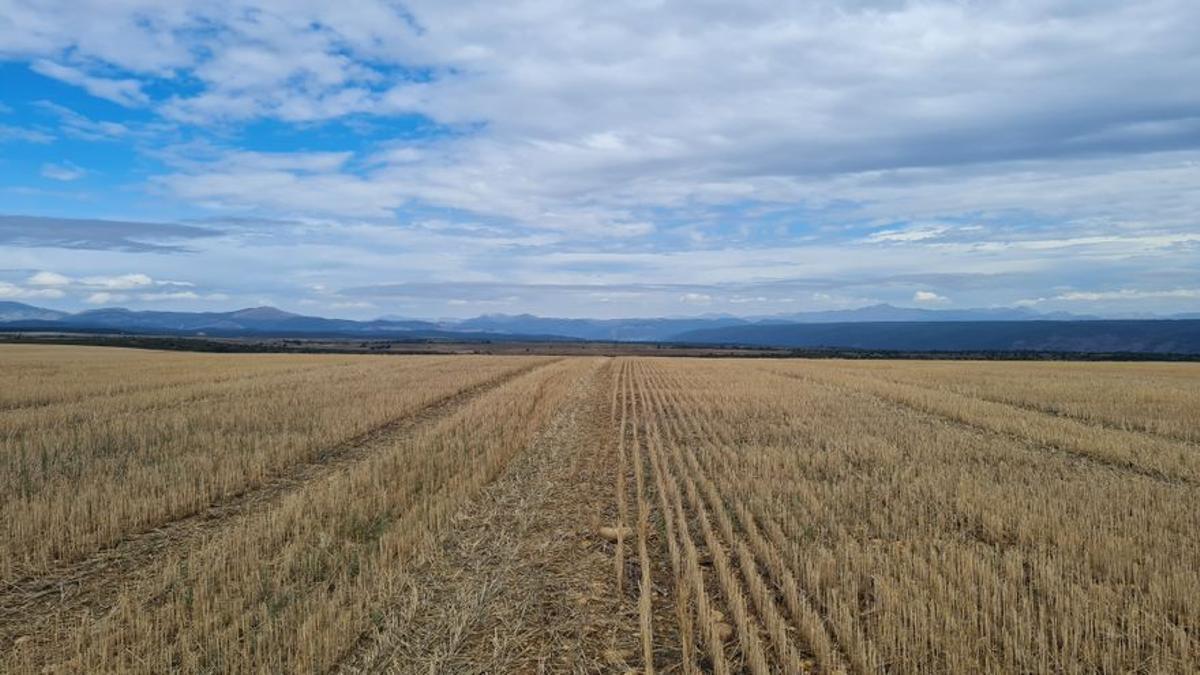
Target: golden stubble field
[(173, 512)]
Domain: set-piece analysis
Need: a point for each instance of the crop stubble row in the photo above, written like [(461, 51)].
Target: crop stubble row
[(874, 525)]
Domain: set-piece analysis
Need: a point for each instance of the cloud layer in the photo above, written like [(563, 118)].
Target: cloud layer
[(94, 234), (729, 153)]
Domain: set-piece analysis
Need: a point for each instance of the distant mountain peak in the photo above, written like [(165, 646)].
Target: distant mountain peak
[(19, 311), (262, 313), (887, 312), (501, 316), (106, 310)]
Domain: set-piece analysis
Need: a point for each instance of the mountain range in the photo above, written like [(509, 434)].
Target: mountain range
[(877, 327), (1142, 336), (664, 329), (254, 321)]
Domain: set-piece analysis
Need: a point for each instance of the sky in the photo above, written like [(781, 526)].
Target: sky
[(600, 159)]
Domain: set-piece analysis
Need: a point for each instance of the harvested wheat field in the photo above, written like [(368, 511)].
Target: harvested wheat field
[(174, 512)]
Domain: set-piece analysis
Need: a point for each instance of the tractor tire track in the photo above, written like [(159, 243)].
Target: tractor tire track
[(521, 581)]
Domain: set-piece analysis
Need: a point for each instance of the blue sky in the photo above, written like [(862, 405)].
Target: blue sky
[(611, 159)]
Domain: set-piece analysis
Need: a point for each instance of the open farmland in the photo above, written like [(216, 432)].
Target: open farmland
[(337, 513)]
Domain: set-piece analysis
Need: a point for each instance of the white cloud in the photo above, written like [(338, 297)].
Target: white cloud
[(174, 295), (696, 298), (244, 162), (180, 295), (1131, 294), (113, 282), (10, 134), (49, 279), (909, 234), (1127, 244), (126, 92), (109, 289), (66, 171), (76, 125), (117, 283), (104, 298), (929, 297), (13, 291)]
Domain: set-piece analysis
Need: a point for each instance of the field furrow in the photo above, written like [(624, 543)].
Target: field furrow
[(646, 583), (622, 530), (747, 626), (779, 581), (692, 584)]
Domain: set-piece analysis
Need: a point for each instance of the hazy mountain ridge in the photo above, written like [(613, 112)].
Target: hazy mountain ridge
[(617, 330), (667, 328), (256, 319), (1162, 336), (877, 327), (649, 329), (19, 311), (260, 321), (886, 312)]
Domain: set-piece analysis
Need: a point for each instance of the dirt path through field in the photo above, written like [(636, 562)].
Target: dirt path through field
[(90, 586), (522, 582)]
